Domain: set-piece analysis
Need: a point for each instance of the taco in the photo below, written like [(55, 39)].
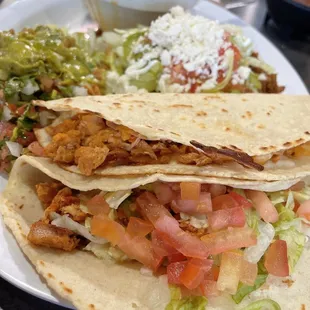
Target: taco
[(235, 244), (225, 135)]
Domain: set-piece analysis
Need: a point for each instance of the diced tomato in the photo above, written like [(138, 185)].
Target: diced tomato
[(223, 202), (12, 107), (36, 148), (164, 193), (98, 205), (185, 292), (304, 210), (184, 242), (209, 288), (20, 111), (151, 208), (229, 239), (160, 246), (194, 271), (140, 249), (138, 227), (104, 227), (174, 271), (234, 217), (176, 257), (6, 130), (248, 273), (203, 206), (190, 190), (27, 138), (237, 56), (217, 190), (263, 206), (276, 260), (230, 272), (298, 186), (241, 201)]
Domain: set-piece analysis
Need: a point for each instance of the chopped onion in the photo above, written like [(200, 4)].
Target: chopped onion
[(65, 221), (30, 88), (112, 38), (6, 113), (14, 148), (135, 143), (146, 271)]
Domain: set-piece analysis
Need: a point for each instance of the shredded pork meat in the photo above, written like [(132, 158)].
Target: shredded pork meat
[(47, 235)]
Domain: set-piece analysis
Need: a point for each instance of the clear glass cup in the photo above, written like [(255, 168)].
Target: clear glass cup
[(231, 4)]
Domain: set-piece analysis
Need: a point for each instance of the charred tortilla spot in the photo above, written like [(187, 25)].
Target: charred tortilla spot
[(264, 148), (243, 116), (203, 126), (181, 106), (174, 133), (21, 206), (41, 262), (235, 147), (303, 307), (156, 110), (183, 118), (140, 105), (288, 282), (24, 236), (287, 144), (117, 104), (249, 114), (148, 126), (227, 129), (300, 140), (201, 113), (261, 126), (224, 110), (268, 113), (307, 132), (68, 100), (50, 276), (240, 157), (91, 306), (160, 129), (244, 99)]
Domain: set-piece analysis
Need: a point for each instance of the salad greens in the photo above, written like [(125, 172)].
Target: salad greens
[(263, 304), (245, 290), (185, 303)]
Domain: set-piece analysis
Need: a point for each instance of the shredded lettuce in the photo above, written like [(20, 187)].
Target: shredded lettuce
[(131, 37), (114, 199), (257, 63), (185, 303), (65, 221), (244, 290), (302, 195), (263, 304), (252, 219), (253, 82), (295, 241), (266, 234)]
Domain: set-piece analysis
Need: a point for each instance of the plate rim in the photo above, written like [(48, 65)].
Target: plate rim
[(39, 5)]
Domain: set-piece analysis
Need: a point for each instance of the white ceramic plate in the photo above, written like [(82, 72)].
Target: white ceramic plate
[(14, 267)]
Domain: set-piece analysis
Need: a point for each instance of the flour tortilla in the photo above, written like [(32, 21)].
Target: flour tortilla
[(88, 282), (244, 123)]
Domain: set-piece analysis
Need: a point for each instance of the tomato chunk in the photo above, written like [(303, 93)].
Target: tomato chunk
[(248, 273), (151, 208), (229, 275), (263, 206), (140, 249), (176, 257), (223, 202), (276, 260), (217, 190), (194, 271), (174, 271), (190, 190), (138, 227), (234, 217), (98, 205), (209, 288), (304, 210), (184, 242), (104, 227), (160, 246), (241, 201), (36, 148), (164, 193), (230, 239)]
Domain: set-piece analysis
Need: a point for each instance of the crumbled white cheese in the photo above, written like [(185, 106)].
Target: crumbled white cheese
[(241, 75), (116, 84), (179, 37), (262, 77), (198, 221)]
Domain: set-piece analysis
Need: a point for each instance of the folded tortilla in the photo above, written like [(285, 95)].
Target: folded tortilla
[(92, 283), (240, 127)]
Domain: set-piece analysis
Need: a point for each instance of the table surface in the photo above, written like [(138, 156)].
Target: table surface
[(298, 53)]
